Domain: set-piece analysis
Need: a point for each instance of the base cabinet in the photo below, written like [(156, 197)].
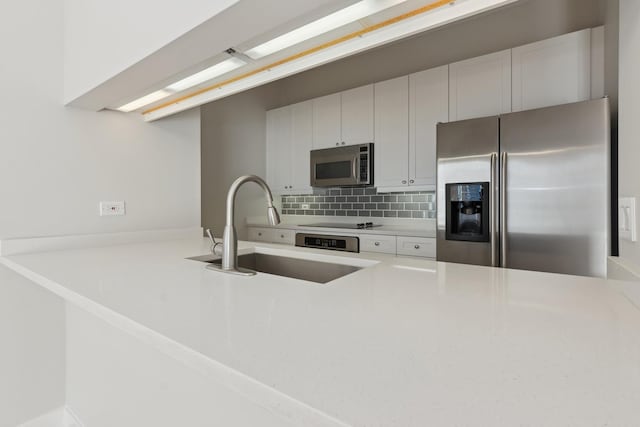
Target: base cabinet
[(272, 235), (416, 246), (377, 243)]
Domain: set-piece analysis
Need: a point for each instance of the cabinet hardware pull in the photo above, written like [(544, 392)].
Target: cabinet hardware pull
[(377, 243), (342, 142), (417, 246), (411, 181), (259, 234), (404, 181), (282, 236)]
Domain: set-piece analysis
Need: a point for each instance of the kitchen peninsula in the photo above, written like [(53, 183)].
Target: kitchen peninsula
[(401, 342)]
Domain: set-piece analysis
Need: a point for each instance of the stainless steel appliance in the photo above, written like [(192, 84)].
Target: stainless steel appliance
[(354, 226), (348, 166), (324, 241), (527, 190)]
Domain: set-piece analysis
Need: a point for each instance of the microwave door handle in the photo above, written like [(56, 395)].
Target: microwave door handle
[(354, 168)]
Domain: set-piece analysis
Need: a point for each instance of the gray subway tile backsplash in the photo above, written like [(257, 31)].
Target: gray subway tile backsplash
[(362, 202)]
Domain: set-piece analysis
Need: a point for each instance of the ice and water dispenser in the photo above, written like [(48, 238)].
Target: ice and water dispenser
[(467, 206)]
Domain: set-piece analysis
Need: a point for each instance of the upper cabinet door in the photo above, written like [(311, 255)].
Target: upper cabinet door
[(428, 105), (326, 121), (357, 115), (301, 145), (597, 63), (279, 156), (391, 151), (552, 72), (480, 87)]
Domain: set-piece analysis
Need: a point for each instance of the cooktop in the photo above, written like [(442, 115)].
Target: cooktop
[(356, 226)]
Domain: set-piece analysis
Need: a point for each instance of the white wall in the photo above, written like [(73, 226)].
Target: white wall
[(628, 113), (32, 355), (104, 38), (57, 163), (234, 144)]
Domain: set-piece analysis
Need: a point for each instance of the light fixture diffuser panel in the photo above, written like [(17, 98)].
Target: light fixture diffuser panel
[(207, 74), (145, 100), (323, 25)]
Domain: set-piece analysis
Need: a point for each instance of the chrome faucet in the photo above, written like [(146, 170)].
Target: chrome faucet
[(230, 236)]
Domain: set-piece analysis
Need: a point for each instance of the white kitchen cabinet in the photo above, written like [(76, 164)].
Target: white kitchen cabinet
[(391, 151), (357, 115), (407, 110), (271, 235), (552, 72), (279, 149), (378, 243), (260, 234), (480, 87), (344, 118), (385, 244), (301, 145), (597, 63), (326, 121), (288, 144), (416, 246), (286, 237), (428, 105)]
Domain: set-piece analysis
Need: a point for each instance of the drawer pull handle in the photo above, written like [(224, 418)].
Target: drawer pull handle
[(377, 243), (404, 181), (259, 234), (411, 181), (417, 246), (282, 236)]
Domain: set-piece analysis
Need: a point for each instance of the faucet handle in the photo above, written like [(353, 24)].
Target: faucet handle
[(214, 244)]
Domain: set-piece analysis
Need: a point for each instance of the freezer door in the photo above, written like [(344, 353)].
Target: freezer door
[(555, 194), (467, 191)]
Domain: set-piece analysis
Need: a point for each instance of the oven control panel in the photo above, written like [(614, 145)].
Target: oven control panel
[(323, 241)]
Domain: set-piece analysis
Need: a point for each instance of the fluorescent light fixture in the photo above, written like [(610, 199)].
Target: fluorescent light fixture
[(145, 100), (207, 74), (323, 25), (461, 9)]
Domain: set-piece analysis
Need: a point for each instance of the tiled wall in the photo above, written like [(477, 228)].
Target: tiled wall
[(362, 202)]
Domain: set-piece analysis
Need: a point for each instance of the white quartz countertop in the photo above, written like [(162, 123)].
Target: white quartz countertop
[(404, 342)]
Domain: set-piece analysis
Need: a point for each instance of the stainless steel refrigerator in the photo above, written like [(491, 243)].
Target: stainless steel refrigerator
[(527, 190)]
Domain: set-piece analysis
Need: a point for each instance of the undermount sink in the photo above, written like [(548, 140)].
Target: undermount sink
[(296, 268)]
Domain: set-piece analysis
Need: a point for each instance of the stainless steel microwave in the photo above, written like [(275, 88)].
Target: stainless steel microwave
[(347, 166)]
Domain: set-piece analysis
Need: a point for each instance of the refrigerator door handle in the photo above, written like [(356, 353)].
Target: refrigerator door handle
[(493, 210), (503, 210)]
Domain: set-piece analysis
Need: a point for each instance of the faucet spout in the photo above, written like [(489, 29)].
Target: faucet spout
[(230, 237)]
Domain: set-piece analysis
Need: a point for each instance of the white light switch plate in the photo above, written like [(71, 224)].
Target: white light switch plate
[(112, 208), (627, 218)]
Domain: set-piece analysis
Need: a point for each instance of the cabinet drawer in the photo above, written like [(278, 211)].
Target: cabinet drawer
[(260, 234), (381, 244), (288, 237), (417, 246)]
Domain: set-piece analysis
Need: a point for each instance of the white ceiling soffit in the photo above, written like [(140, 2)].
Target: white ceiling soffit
[(231, 27), (441, 16)]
